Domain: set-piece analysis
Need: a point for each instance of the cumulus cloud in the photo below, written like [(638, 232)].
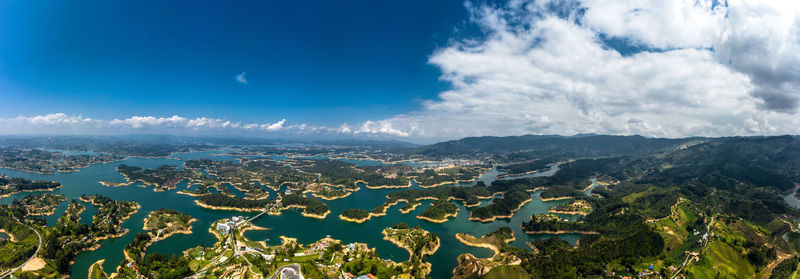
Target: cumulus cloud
[(548, 67), (241, 79), (59, 123)]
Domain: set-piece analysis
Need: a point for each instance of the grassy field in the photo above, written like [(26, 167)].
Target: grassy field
[(507, 272), (721, 261)]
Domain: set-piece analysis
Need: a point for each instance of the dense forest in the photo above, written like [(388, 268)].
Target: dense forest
[(357, 214), (503, 206), (312, 205), (439, 210)]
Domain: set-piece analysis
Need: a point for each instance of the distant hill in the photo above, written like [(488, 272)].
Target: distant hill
[(553, 145)]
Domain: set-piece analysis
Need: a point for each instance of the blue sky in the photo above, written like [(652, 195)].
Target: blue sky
[(413, 70), (320, 62)]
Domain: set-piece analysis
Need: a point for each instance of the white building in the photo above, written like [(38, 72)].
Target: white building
[(224, 228)]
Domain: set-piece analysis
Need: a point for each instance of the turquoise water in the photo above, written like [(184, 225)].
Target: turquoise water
[(290, 223)]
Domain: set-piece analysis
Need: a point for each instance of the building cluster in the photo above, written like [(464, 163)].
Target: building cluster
[(224, 226)]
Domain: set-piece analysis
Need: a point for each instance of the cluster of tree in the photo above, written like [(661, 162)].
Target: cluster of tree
[(108, 217), (525, 167), (182, 217), (355, 213), (37, 204), (550, 223), (430, 177), (11, 185), (222, 200), (760, 255), (17, 252), (503, 206), (468, 194), (42, 161), (312, 205), (399, 226), (630, 244), (439, 209), (164, 176), (331, 192), (159, 265), (375, 267), (785, 269)]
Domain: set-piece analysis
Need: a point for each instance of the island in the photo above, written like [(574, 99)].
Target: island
[(164, 222), (48, 162), (439, 211), (14, 185), (355, 215)]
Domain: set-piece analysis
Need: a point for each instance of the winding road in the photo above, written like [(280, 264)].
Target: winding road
[(8, 273), (291, 271)]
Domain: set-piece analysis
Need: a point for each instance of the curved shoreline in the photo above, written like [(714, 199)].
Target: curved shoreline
[(357, 221), (185, 192), (347, 194), (461, 239), (304, 213), (99, 264), (439, 221), (554, 199), (388, 186), (491, 219), (26, 191), (201, 204), (408, 249)]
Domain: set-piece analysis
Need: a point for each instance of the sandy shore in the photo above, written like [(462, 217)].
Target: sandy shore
[(447, 182), (554, 199), (388, 186), (201, 204), (184, 192), (348, 193), (413, 206), (98, 264), (27, 191), (463, 239), (114, 184), (439, 221), (358, 221)]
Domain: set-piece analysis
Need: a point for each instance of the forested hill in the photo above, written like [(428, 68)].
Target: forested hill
[(553, 145)]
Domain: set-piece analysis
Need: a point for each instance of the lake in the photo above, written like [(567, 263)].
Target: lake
[(291, 223)]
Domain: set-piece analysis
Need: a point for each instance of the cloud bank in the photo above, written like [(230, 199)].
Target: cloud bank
[(58, 123), (656, 68)]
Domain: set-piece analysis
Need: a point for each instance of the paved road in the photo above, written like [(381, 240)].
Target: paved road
[(4, 275), (291, 271)]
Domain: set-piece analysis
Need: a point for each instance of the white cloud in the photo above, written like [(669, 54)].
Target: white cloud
[(546, 69), (241, 79)]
